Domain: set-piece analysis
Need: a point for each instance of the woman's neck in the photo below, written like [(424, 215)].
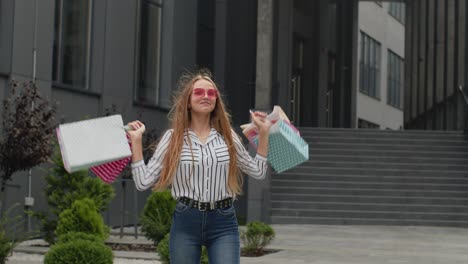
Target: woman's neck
[(200, 124)]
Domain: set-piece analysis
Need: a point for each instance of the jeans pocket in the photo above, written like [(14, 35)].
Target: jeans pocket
[(180, 207), (228, 211)]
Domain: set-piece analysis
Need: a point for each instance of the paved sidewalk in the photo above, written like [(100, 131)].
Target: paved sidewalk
[(352, 245)]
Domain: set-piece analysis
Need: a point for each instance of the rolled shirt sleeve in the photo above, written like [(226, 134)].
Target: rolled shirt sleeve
[(146, 175), (256, 167)]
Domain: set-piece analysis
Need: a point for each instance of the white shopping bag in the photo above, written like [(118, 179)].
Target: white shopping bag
[(92, 142)]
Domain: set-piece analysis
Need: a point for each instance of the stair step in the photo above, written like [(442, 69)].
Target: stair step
[(446, 161), (377, 147), (388, 153), (370, 206), (380, 171), (386, 133), (461, 142), (369, 198), (369, 185), (386, 165), (371, 192), (444, 216), (292, 177), (363, 221)]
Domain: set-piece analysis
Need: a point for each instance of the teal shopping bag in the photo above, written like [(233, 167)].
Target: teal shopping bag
[(286, 148)]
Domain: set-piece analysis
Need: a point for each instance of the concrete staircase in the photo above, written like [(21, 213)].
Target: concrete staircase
[(376, 177)]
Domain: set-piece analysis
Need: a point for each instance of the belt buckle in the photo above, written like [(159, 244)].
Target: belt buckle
[(200, 207), (212, 205)]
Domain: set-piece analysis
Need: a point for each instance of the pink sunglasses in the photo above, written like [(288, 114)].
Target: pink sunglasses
[(210, 93)]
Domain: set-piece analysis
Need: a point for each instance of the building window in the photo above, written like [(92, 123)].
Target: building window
[(149, 59), (395, 79), (71, 43), (397, 10), (369, 77), (367, 125)]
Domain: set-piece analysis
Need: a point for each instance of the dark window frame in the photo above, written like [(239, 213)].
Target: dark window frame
[(397, 10), (69, 57), (395, 79), (370, 66), (147, 89), (364, 124)]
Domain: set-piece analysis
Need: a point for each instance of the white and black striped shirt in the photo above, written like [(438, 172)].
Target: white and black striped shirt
[(208, 181)]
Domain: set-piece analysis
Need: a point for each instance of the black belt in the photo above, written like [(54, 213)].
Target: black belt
[(206, 206)]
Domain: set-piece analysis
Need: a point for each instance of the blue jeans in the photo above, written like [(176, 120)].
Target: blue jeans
[(217, 230)]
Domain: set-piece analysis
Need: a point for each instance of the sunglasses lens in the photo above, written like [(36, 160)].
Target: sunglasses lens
[(211, 93), (201, 92)]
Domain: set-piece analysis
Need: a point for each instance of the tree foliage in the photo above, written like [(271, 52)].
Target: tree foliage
[(64, 188), (28, 130)]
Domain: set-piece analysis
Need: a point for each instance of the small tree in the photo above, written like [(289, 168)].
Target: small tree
[(64, 188), (28, 130), (10, 232), (156, 218), (83, 217), (257, 236)]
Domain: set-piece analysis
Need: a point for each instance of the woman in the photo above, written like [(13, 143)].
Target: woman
[(201, 158)]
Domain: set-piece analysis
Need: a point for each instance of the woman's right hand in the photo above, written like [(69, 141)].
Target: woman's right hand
[(137, 128)]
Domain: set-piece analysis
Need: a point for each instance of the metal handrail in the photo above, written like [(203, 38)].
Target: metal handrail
[(465, 96)]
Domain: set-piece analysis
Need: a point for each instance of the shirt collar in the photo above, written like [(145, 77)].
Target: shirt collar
[(213, 134)]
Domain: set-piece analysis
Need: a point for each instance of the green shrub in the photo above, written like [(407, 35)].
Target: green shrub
[(78, 252), (83, 217), (163, 251), (6, 245), (63, 189), (11, 224), (71, 236), (156, 218), (257, 236)]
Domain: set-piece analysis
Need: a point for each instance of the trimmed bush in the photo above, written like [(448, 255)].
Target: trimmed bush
[(257, 236), (156, 218), (78, 252), (163, 251), (71, 236), (82, 217), (63, 189)]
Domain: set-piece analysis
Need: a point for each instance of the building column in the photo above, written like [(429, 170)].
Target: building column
[(259, 191), (345, 96), (465, 115)]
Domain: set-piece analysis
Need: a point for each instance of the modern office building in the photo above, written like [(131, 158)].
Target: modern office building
[(316, 59), (381, 53)]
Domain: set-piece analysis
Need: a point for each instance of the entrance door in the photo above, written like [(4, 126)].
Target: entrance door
[(331, 88), (296, 79)]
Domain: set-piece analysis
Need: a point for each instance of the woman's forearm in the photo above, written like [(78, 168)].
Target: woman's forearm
[(262, 148), (137, 149)]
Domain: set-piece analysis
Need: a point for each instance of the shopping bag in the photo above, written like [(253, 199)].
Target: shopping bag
[(286, 149), (250, 130), (92, 142), (108, 172)]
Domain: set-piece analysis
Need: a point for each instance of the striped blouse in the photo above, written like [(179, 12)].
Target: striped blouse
[(208, 181)]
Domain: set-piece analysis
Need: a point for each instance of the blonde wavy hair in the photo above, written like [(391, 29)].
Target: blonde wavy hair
[(180, 117)]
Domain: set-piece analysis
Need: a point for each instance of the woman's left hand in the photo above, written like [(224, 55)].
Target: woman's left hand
[(261, 121)]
